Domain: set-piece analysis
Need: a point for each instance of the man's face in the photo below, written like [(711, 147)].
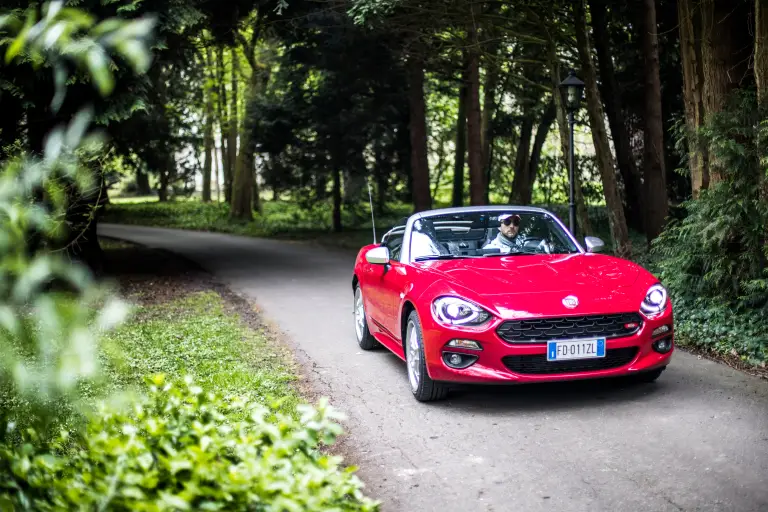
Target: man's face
[(510, 226)]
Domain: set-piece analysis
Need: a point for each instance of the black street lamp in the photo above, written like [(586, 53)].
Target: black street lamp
[(572, 89)]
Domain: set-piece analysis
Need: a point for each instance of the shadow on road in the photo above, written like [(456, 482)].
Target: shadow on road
[(550, 396)]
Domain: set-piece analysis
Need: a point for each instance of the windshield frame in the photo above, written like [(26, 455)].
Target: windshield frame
[(405, 253)]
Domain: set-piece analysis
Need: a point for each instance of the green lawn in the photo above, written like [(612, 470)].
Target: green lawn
[(195, 336)]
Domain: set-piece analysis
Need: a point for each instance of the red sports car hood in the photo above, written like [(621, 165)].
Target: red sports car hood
[(528, 285)]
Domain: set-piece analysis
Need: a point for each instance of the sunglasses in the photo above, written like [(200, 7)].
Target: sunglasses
[(514, 219)]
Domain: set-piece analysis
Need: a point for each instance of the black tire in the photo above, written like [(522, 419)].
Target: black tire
[(424, 389), (651, 376), (365, 339)]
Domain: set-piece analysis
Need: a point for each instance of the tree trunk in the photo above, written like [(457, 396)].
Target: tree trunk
[(761, 51), (222, 107), (630, 174), (461, 144), (440, 167), (337, 227), (477, 184), (489, 105), (656, 202), (142, 182), (233, 126), (693, 92), (208, 130), (616, 219), (167, 175), (583, 225), (761, 79), (418, 129), (538, 144), (724, 63), (242, 189), (521, 181), (257, 206), (217, 172), (381, 176)]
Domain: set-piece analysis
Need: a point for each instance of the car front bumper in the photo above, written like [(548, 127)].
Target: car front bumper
[(503, 362)]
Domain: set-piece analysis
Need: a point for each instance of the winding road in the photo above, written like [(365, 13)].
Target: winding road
[(696, 440)]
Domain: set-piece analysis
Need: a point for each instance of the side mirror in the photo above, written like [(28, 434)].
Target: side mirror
[(594, 244), (378, 256)]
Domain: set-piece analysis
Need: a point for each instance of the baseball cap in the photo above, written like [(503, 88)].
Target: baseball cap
[(513, 219)]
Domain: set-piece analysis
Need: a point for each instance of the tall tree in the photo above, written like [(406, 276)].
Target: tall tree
[(208, 130), (582, 215), (542, 131), (234, 121), (222, 107), (242, 186), (761, 79), (690, 21), (477, 184), (616, 219), (656, 202), (461, 142), (611, 93), (521, 183), (726, 49), (761, 50), (422, 199)]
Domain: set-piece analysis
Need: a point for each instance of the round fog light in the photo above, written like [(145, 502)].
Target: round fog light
[(458, 361), (663, 346)]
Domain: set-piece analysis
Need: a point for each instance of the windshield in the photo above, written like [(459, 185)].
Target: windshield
[(488, 234)]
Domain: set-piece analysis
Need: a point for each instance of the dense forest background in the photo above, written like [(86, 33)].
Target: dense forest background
[(267, 107)]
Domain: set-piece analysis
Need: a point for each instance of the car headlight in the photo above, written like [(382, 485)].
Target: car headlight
[(655, 300), (456, 311)]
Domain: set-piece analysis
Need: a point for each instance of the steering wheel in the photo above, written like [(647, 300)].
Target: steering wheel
[(537, 246)]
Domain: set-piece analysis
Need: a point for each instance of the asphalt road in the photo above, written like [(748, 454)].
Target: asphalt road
[(697, 439)]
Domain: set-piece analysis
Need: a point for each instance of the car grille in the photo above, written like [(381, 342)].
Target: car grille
[(538, 364), (541, 330)]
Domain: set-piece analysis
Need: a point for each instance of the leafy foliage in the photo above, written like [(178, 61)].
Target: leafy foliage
[(51, 311), (719, 249), (181, 449), (714, 259)]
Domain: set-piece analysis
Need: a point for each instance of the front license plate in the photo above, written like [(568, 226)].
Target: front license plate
[(579, 349)]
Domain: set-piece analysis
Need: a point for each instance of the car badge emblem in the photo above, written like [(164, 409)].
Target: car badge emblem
[(570, 302)]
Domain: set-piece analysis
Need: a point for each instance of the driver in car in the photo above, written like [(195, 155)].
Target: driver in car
[(508, 239)]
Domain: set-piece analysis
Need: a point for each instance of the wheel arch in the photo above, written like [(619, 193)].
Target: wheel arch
[(405, 313)]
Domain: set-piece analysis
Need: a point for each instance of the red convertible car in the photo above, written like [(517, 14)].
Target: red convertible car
[(503, 294)]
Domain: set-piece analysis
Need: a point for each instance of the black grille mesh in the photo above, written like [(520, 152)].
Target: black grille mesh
[(538, 364), (540, 330)]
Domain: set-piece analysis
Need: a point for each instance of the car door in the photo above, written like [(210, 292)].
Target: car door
[(376, 282), (392, 287)]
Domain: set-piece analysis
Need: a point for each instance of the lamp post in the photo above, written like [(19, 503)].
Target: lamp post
[(572, 88)]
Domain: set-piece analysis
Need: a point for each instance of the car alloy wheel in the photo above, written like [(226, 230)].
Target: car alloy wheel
[(413, 348), (364, 337), (424, 389), (359, 314)]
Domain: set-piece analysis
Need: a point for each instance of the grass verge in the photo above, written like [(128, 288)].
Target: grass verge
[(194, 335)]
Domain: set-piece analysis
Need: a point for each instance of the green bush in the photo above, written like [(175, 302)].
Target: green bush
[(180, 449), (713, 260), (719, 249)]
